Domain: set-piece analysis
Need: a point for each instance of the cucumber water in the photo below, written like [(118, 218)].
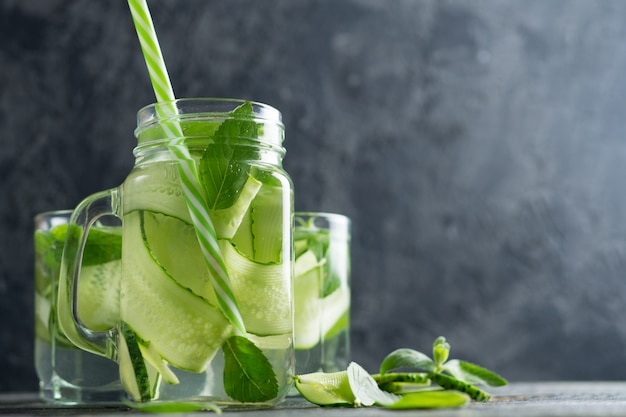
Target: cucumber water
[(186, 346), (68, 374), (321, 292)]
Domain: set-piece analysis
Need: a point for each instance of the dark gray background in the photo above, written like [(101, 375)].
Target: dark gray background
[(478, 146)]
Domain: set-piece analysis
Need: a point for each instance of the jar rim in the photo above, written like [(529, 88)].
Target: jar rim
[(155, 122), (208, 106)]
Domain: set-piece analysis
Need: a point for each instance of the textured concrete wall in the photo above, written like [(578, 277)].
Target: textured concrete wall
[(479, 148)]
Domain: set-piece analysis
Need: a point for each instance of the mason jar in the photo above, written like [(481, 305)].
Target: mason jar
[(205, 298)]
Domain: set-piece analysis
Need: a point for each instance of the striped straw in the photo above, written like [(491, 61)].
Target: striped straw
[(187, 170)]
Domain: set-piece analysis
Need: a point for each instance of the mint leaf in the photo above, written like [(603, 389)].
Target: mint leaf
[(242, 126), (48, 249), (473, 374), (248, 375), (224, 165), (334, 271), (365, 389), (407, 358), (104, 244)]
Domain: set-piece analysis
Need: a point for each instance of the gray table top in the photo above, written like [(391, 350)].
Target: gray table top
[(540, 399)]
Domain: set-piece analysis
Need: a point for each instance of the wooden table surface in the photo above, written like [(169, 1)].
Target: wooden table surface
[(541, 399)]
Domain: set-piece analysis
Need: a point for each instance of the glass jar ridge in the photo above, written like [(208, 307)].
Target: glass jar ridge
[(188, 113)]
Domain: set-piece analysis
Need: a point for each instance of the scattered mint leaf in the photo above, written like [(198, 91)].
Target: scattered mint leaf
[(473, 374), (407, 358), (408, 390), (248, 375), (430, 399), (365, 389), (172, 406)]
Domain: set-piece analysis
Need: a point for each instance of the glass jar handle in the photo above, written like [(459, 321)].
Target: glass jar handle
[(88, 211)]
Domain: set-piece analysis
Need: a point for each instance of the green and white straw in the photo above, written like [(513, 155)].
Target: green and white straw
[(194, 194)]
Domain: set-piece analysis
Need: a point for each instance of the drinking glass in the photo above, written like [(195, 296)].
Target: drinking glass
[(67, 374), (322, 291)]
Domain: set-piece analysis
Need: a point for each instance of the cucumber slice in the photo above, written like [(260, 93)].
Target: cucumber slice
[(335, 312), (307, 306), (227, 221), (243, 239), (262, 290), (316, 318), (43, 307), (299, 247), (267, 225), (139, 383), (260, 235), (182, 327), (98, 295), (174, 246), (152, 356)]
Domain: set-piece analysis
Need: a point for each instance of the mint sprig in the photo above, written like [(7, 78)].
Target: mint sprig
[(450, 374)]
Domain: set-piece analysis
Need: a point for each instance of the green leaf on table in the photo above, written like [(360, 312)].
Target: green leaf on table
[(407, 358), (224, 165), (248, 375), (365, 389), (430, 399), (473, 374)]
